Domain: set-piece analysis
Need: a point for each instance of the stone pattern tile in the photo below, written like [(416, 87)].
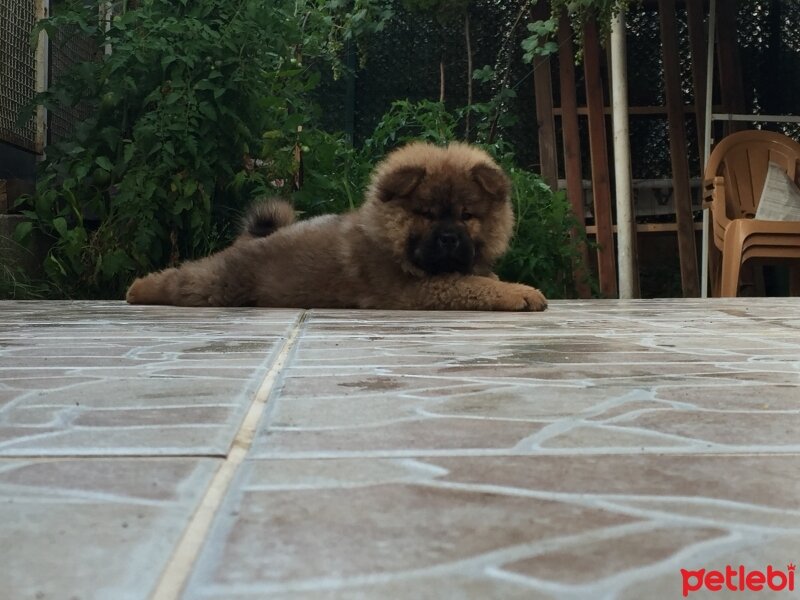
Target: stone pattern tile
[(93, 528), (619, 377), (588, 452), (104, 378), (591, 526)]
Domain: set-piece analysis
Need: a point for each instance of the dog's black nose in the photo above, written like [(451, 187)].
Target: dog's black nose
[(447, 240)]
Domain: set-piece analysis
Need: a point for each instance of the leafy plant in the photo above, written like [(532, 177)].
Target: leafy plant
[(198, 108), (17, 282), (336, 173), (541, 252), (541, 41), (204, 105)]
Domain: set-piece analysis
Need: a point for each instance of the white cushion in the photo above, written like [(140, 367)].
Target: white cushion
[(780, 199)]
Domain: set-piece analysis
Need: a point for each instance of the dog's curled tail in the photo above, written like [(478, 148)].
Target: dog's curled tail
[(266, 217)]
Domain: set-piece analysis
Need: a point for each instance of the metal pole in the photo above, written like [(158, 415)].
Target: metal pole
[(622, 158), (42, 8), (712, 22)]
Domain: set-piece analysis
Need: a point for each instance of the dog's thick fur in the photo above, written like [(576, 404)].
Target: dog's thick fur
[(433, 223)]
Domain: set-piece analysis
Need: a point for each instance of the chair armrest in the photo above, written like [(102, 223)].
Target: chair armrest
[(714, 198), (709, 185)]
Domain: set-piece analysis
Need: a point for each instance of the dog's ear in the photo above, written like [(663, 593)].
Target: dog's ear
[(399, 182), (492, 180)]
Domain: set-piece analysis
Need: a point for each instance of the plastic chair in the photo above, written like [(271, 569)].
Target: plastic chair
[(733, 182)]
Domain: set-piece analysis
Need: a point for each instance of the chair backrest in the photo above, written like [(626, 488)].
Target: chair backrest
[(743, 158)]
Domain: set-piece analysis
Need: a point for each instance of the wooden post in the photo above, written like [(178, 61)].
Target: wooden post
[(677, 148), (697, 44), (601, 185), (548, 153), (546, 125), (573, 168), (730, 70)]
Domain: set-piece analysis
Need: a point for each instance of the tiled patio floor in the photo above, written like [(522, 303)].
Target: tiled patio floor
[(589, 452)]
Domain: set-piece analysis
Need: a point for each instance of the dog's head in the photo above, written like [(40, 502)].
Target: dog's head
[(441, 210)]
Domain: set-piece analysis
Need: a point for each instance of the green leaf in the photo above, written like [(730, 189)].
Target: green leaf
[(190, 187), (60, 225), (115, 263), (208, 111), (127, 153), (23, 231), (104, 163)]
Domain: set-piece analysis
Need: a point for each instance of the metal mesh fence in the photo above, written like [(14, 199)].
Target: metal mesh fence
[(66, 49), (403, 63), (17, 71), (769, 40)]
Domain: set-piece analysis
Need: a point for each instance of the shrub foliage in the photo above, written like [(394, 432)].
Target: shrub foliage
[(202, 106)]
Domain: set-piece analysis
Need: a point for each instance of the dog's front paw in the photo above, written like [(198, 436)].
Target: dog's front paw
[(518, 297)]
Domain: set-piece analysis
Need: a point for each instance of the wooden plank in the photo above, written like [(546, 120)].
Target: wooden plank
[(633, 110), (697, 44), (546, 124), (548, 150), (730, 69), (687, 250), (648, 228), (601, 185), (573, 168)]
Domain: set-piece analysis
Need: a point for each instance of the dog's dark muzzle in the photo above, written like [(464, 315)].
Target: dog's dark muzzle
[(446, 249)]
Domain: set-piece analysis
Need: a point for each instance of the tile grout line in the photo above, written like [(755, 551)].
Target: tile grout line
[(176, 574)]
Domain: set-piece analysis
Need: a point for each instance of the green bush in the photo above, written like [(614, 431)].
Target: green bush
[(198, 109), (204, 105), (542, 253)]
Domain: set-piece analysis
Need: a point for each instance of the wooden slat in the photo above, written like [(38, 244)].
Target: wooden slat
[(573, 168), (648, 228), (697, 43), (687, 250), (548, 151), (601, 185), (633, 110), (730, 72), (546, 124)]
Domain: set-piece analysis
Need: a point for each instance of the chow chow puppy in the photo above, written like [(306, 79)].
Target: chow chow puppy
[(433, 222)]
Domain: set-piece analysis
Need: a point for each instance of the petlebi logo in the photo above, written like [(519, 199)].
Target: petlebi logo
[(739, 580)]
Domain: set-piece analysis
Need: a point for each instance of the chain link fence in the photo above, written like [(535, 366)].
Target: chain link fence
[(67, 48), (17, 71), (406, 61)]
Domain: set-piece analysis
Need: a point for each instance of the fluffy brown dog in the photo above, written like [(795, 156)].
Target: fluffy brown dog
[(433, 223)]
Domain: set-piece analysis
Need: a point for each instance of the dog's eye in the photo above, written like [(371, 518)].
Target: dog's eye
[(466, 215), (425, 213)]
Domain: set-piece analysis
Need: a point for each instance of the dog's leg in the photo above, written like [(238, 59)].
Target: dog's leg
[(217, 280), (472, 292)]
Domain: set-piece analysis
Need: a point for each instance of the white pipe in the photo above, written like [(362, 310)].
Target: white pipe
[(106, 14), (622, 158), (712, 23)]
